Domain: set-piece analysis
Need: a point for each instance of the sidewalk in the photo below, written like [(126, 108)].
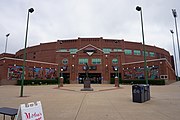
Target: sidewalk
[(104, 103)]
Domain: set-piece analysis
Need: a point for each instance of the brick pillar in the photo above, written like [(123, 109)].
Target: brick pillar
[(116, 81), (61, 81)]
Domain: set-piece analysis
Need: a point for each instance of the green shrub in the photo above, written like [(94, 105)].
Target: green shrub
[(112, 81), (37, 82), (151, 82)]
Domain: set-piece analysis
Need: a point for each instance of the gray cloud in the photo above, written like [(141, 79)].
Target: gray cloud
[(63, 19)]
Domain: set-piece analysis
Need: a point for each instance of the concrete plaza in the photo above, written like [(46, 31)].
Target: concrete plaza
[(104, 103)]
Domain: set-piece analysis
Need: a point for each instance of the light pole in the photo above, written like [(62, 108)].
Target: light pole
[(61, 72), (6, 42), (172, 32), (116, 69), (144, 48), (31, 10), (116, 79), (175, 16), (58, 75)]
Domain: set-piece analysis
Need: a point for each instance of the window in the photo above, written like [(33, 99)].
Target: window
[(143, 53), (96, 61), (137, 52), (73, 50), (65, 61), (63, 50), (115, 61), (83, 60), (106, 50), (117, 50), (151, 54), (128, 52)]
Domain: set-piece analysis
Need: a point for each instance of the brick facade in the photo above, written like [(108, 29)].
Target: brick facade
[(100, 54)]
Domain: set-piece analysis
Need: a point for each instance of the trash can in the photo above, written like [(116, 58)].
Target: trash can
[(147, 92), (138, 93)]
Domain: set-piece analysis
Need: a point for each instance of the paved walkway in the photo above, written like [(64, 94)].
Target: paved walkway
[(104, 103)]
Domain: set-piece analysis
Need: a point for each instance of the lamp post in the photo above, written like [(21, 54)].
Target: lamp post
[(144, 48), (62, 72), (31, 10), (172, 32), (116, 79), (61, 78), (175, 16), (6, 42), (116, 59), (58, 75)]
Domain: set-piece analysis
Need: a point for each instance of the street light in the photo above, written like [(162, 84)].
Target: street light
[(31, 10), (62, 72), (145, 64), (172, 32), (116, 59), (6, 42), (116, 68), (175, 16), (58, 75)]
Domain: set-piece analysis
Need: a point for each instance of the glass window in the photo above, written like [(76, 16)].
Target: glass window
[(73, 50), (83, 60), (117, 50), (65, 61), (137, 52), (151, 54), (115, 61), (96, 61), (63, 50), (128, 52), (106, 50), (143, 53)]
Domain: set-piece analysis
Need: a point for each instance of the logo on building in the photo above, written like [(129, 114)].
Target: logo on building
[(89, 53)]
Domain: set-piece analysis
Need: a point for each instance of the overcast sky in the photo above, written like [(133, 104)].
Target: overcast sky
[(64, 19)]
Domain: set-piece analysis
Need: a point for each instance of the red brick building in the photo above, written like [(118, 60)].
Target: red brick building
[(102, 55)]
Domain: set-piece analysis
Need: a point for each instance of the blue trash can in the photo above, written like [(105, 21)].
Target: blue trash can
[(147, 92), (138, 93)]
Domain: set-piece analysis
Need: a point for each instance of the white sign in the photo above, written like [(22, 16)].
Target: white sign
[(30, 111), (89, 53)]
